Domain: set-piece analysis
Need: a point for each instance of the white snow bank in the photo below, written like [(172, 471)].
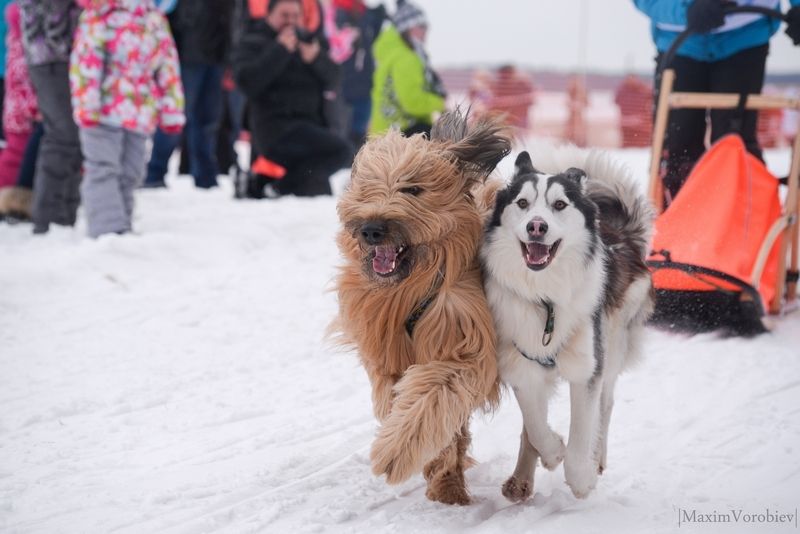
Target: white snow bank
[(177, 381)]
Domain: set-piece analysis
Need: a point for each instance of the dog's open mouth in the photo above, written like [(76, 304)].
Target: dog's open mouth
[(538, 255), (386, 259)]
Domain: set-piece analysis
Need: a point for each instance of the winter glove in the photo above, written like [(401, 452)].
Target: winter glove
[(793, 25), (705, 15)]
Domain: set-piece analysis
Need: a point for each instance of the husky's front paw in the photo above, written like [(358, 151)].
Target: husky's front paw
[(581, 475), (517, 490), (551, 451)]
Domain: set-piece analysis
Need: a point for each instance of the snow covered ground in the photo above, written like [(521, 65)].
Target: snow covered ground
[(177, 381)]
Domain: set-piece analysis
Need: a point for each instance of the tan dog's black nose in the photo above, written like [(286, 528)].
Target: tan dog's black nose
[(374, 232)]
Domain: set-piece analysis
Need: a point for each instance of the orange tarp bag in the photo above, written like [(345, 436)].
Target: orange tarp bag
[(713, 231)]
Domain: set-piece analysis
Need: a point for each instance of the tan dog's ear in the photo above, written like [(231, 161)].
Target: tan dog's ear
[(477, 148)]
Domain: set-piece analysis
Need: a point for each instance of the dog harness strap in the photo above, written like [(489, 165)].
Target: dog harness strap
[(548, 362), (411, 322), (550, 323)]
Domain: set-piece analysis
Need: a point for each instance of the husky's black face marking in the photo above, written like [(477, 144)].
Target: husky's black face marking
[(574, 183)]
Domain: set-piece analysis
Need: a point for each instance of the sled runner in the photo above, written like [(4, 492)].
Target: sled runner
[(725, 251)]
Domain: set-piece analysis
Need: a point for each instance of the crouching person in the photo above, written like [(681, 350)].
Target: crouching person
[(284, 70), (125, 80)]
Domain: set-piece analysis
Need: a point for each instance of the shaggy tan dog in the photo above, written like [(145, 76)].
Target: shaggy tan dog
[(411, 298)]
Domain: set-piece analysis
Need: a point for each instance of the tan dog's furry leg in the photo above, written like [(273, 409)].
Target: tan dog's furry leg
[(382, 393), (432, 402), (445, 474)]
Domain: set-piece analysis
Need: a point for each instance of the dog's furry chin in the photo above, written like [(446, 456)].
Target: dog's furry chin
[(410, 237)]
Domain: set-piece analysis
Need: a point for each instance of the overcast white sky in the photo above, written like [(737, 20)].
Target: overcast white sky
[(547, 34)]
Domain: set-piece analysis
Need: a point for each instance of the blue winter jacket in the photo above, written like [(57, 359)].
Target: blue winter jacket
[(739, 33)]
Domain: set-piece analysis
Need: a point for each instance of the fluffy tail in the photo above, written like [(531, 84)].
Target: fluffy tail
[(432, 403), (629, 208)]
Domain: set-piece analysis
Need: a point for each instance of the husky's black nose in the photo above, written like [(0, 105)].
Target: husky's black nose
[(374, 232), (537, 227)]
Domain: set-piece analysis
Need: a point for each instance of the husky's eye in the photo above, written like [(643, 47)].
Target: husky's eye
[(559, 205), (412, 190), (522, 203)]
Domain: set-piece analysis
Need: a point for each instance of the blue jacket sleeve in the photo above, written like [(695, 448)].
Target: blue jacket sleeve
[(670, 11)]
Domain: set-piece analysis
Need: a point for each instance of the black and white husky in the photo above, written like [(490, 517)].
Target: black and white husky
[(565, 275)]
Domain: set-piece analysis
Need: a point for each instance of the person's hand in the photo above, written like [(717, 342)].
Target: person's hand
[(706, 15), (309, 51), (288, 38), (793, 25)]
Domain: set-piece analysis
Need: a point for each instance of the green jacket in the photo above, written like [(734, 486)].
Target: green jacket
[(400, 96)]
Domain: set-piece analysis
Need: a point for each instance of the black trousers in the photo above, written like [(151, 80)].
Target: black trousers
[(311, 154), (685, 141), (56, 194)]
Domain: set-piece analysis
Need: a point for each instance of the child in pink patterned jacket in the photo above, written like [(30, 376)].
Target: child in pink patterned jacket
[(125, 81)]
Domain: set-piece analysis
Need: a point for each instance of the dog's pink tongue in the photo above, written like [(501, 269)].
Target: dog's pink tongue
[(385, 259), (538, 253)]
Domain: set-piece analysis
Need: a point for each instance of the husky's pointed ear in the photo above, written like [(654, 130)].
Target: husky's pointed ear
[(523, 162), (477, 148), (578, 176)]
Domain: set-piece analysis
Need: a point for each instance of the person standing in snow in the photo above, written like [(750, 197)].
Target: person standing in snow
[(125, 80), (19, 114), (406, 92), (19, 109), (47, 29), (724, 55), (203, 32)]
